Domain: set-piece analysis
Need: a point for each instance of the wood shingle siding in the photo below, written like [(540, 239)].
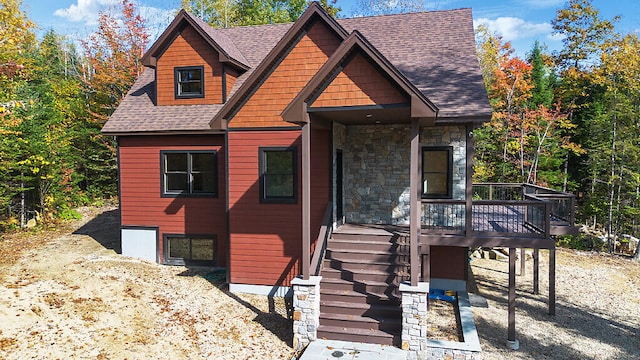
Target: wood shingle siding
[(297, 67), (140, 189), (265, 243), (360, 84), (189, 49)]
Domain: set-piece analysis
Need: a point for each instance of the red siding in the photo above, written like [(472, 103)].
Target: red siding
[(141, 203), (189, 49), (264, 107), (360, 83), (266, 239), (448, 262)]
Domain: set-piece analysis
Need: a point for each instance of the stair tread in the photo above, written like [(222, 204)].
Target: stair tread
[(372, 271), (363, 241), (348, 304), (359, 318), (366, 251), (353, 331), (383, 297), (366, 282), (365, 261)]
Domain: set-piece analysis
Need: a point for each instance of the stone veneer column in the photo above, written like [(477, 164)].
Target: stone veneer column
[(306, 310), (414, 316)]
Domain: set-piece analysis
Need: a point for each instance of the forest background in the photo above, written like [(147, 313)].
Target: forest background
[(568, 119)]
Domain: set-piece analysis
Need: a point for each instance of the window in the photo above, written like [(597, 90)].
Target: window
[(278, 175), (189, 82), (436, 172), (189, 173), (190, 250)]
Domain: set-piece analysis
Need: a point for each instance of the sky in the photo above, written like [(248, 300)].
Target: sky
[(519, 21)]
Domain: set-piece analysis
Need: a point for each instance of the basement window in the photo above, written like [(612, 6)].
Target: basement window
[(278, 175), (189, 173), (437, 168), (185, 250), (189, 82)]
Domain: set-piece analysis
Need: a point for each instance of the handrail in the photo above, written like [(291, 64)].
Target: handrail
[(321, 242)]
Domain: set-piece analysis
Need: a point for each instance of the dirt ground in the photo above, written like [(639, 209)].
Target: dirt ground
[(66, 293), (73, 296)]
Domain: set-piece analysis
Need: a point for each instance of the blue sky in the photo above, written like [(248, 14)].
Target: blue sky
[(519, 21)]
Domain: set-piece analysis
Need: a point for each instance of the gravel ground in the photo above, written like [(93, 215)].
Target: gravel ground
[(597, 308), (65, 295)]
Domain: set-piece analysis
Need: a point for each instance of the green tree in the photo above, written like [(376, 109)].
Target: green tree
[(229, 13)]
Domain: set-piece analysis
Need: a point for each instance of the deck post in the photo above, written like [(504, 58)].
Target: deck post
[(536, 274), (522, 264), (552, 280), (468, 219), (415, 207), (512, 342), (306, 201)]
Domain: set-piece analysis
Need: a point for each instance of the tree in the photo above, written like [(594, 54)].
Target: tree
[(380, 7), (229, 13), (112, 64)]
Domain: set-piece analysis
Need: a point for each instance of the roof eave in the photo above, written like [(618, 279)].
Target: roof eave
[(150, 58), (314, 9), (421, 106)]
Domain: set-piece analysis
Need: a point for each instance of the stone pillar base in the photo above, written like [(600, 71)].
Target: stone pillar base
[(414, 316), (306, 310)]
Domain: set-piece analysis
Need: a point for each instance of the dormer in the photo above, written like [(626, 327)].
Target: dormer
[(194, 64)]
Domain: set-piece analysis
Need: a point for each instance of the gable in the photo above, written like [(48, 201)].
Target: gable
[(291, 72), (189, 48), (360, 83)]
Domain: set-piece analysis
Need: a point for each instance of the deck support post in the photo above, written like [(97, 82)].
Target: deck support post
[(522, 263), (536, 271), (415, 207), (468, 209), (552, 280), (512, 342), (306, 201)]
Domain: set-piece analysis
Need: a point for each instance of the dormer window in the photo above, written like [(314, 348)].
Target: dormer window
[(189, 82)]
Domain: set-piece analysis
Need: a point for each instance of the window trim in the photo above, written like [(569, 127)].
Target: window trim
[(261, 168), (166, 260), (163, 174), (177, 83), (449, 150)]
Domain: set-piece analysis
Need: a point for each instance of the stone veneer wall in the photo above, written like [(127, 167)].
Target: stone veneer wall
[(377, 160)]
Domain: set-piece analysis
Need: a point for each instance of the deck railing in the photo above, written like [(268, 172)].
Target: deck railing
[(500, 209)]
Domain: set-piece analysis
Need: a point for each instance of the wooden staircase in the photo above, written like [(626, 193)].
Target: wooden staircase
[(359, 299)]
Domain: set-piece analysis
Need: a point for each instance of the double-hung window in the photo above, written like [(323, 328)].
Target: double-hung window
[(278, 175), (189, 81), (437, 167), (189, 173)]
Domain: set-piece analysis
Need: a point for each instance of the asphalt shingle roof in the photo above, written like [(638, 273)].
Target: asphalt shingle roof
[(434, 50)]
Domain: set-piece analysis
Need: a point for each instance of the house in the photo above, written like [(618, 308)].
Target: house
[(341, 148)]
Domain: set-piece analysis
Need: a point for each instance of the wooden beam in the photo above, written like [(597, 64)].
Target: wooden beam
[(511, 332), (306, 201), (522, 264), (481, 241), (416, 206), (536, 271), (552, 281)]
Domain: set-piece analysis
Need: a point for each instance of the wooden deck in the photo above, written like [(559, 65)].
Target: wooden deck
[(493, 224)]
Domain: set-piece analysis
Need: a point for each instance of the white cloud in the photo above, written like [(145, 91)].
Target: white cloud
[(512, 28), (541, 4), (84, 11)]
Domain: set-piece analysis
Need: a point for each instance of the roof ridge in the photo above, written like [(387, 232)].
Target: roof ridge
[(403, 14)]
